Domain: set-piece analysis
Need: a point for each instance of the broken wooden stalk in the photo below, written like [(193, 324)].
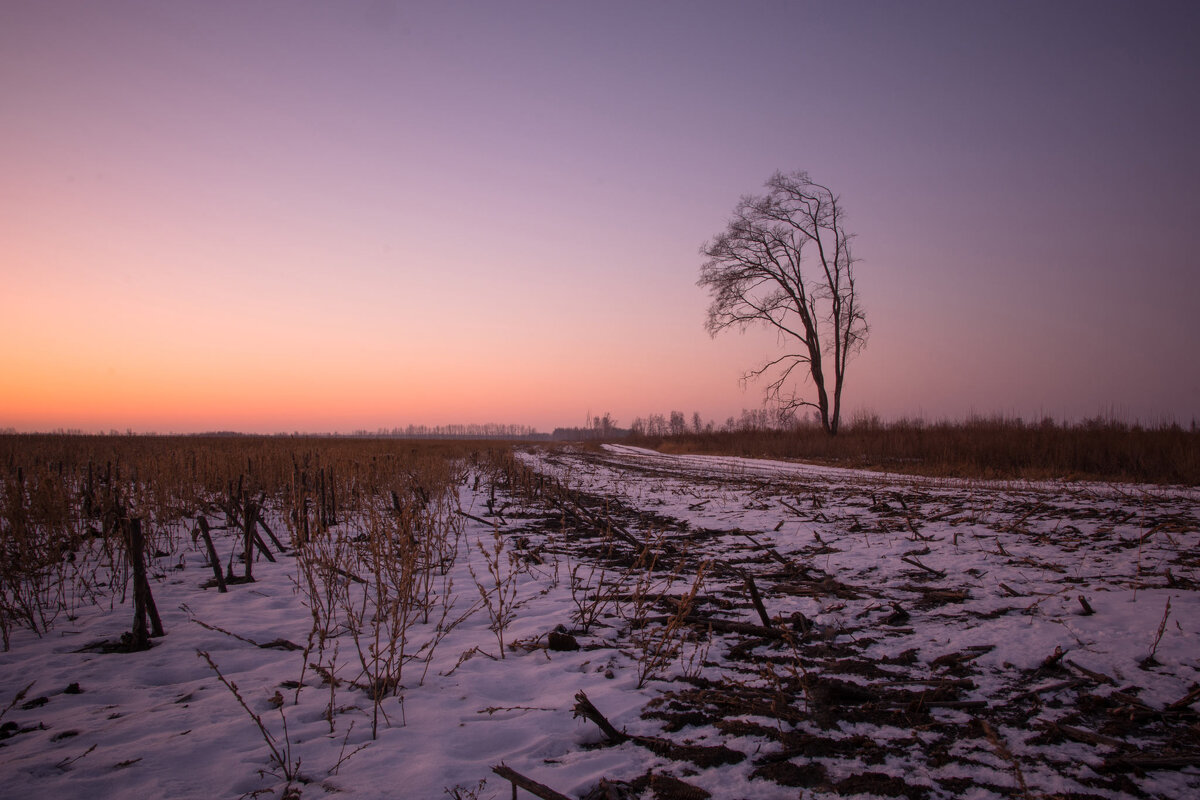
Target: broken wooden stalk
[(757, 600), (528, 784), (202, 525)]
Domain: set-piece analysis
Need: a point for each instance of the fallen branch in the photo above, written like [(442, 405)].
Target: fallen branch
[(1098, 677), (770, 551), (348, 575), (1053, 687), (584, 708), (729, 626), (1085, 736), (919, 565), (480, 520), (1145, 761), (757, 600), (1186, 700), (528, 784), (274, 644), (791, 507), (262, 523), (214, 562)]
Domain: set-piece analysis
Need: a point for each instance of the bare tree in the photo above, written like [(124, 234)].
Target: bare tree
[(678, 423), (784, 261)]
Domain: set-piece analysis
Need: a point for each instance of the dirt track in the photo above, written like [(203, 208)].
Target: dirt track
[(917, 638)]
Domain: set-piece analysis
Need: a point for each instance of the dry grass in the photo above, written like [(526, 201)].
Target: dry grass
[(982, 448), (63, 498), (373, 525)]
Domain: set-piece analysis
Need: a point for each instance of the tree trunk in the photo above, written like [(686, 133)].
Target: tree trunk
[(818, 377), (837, 405)]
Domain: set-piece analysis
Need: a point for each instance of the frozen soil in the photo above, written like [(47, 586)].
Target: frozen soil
[(684, 627)]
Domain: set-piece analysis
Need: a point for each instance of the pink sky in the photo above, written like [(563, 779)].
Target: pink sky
[(313, 216)]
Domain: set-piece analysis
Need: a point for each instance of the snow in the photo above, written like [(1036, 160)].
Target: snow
[(160, 723)]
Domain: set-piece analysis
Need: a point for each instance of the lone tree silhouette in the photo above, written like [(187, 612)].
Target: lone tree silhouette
[(784, 261)]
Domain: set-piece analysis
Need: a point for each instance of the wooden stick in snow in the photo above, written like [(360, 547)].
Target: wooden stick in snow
[(202, 525), (584, 708), (757, 600), (529, 785)]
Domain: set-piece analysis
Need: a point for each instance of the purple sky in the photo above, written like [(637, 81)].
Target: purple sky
[(278, 216)]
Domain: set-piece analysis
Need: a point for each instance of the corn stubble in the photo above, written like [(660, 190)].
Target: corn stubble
[(373, 528)]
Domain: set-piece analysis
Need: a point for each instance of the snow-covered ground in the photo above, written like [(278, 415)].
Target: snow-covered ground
[(925, 639)]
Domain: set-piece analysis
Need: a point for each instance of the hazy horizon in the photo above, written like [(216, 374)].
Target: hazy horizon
[(312, 217)]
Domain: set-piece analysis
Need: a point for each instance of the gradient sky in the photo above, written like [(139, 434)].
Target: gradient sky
[(278, 216)]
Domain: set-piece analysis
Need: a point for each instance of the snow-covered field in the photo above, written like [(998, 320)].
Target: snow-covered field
[(918, 638)]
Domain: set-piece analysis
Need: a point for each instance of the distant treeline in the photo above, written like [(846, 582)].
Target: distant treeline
[(489, 430), (677, 424), (603, 430), (484, 431), (598, 429)]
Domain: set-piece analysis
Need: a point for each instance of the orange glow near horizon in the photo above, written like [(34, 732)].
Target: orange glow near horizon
[(271, 218)]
